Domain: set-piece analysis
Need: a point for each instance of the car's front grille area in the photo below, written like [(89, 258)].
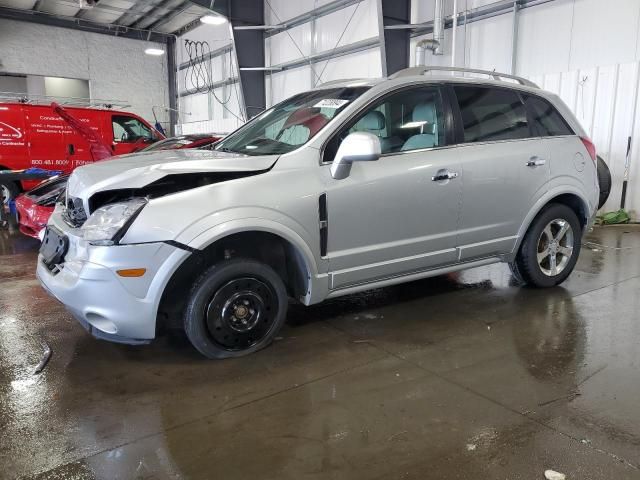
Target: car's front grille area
[(74, 213)]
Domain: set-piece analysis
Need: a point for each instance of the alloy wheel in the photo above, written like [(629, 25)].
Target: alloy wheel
[(555, 247)]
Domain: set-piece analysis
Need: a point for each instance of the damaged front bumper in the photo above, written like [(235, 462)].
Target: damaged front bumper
[(111, 307)]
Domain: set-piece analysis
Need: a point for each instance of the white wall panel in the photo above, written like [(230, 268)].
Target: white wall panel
[(422, 10), (552, 83), (604, 108), (633, 195), (544, 38), (276, 11), (330, 27), (210, 116), (365, 64), (287, 83), (217, 36), (286, 46), (195, 107), (604, 32), (569, 89), (489, 44), (621, 128)]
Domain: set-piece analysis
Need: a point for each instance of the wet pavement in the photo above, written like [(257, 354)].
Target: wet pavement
[(463, 376)]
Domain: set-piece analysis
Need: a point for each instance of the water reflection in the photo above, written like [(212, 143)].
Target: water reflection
[(550, 335)]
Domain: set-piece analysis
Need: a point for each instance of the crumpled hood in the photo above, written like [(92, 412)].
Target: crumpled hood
[(140, 169)]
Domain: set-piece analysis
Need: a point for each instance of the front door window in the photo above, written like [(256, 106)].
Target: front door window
[(404, 121)]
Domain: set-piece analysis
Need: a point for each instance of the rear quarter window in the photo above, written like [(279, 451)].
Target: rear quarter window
[(491, 114), (547, 121)]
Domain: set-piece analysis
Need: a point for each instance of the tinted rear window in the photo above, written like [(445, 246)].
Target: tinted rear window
[(547, 121), (491, 114)]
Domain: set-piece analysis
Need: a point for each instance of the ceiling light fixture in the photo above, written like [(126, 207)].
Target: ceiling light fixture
[(213, 19), (154, 51)]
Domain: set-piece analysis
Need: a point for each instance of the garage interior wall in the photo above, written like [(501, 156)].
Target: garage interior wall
[(116, 68), (204, 110), (354, 25)]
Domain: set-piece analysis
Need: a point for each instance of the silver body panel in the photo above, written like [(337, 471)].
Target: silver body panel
[(388, 221)]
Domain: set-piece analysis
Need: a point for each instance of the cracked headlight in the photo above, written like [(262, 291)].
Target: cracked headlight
[(108, 224)]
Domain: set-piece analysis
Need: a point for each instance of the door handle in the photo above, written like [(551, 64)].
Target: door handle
[(535, 162), (72, 149), (444, 175)]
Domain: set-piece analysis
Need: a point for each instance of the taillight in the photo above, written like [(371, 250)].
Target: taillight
[(591, 148)]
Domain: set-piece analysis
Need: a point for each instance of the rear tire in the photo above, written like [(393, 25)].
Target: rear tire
[(604, 180), (236, 307), (550, 248)]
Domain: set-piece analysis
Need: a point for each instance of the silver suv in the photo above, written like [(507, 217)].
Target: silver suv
[(354, 185)]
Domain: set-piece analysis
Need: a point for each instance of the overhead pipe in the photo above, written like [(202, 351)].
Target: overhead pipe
[(438, 27), (421, 49), (435, 44), (455, 31)]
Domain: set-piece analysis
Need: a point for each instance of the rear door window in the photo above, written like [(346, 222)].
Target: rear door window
[(546, 119), (491, 114)]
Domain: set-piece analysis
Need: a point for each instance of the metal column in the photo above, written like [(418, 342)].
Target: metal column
[(514, 38), (172, 78), (248, 47), (395, 45)]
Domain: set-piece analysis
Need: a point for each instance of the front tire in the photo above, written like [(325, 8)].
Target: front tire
[(236, 307), (550, 248)]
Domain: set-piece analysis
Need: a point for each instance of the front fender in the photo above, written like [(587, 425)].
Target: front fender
[(210, 233)]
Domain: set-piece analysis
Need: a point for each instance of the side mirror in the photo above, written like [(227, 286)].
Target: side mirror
[(356, 147)]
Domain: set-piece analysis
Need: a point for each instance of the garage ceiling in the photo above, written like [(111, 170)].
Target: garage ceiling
[(163, 16)]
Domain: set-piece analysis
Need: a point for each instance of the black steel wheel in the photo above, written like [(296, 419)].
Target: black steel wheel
[(236, 307)]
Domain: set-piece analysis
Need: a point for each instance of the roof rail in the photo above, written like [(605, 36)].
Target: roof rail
[(29, 99), (421, 70), (338, 81)]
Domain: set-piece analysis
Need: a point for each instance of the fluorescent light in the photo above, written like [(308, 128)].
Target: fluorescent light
[(213, 20), (154, 51)]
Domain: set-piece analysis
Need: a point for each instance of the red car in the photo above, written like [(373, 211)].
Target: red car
[(195, 140), (36, 206)]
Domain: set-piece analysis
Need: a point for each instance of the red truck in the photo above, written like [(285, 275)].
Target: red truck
[(33, 135)]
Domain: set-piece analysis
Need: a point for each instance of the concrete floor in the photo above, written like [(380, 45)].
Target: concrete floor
[(462, 376)]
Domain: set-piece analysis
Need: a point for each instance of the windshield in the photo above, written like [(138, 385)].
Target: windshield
[(291, 123)]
